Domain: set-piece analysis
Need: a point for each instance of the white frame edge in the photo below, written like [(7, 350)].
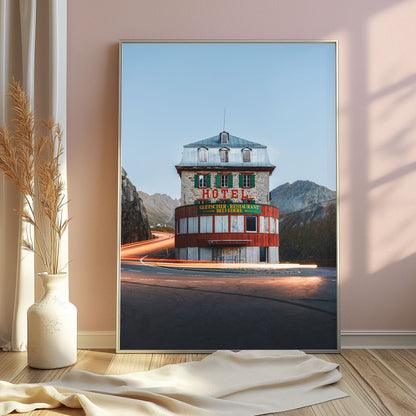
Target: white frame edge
[(120, 84)]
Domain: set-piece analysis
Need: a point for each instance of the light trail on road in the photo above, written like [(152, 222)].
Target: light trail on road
[(138, 253), (294, 291), (141, 248)]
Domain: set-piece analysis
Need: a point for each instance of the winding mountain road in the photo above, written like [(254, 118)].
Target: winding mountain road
[(170, 309), (141, 249)]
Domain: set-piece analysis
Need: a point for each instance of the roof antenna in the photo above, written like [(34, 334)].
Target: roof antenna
[(225, 112)]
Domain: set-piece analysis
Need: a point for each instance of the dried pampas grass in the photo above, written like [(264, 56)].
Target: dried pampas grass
[(31, 163)]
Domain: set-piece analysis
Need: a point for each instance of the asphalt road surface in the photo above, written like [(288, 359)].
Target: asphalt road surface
[(168, 309)]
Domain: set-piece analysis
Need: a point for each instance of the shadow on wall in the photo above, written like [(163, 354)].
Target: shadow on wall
[(384, 312), (381, 272)]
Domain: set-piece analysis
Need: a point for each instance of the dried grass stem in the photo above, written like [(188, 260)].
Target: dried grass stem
[(32, 163)]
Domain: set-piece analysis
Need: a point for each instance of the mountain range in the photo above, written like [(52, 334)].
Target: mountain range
[(291, 197), (307, 223), (160, 208)]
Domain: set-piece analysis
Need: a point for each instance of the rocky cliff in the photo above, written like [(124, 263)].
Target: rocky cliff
[(134, 221)]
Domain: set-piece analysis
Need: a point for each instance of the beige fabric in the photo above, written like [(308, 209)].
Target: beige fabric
[(225, 383), (33, 51)]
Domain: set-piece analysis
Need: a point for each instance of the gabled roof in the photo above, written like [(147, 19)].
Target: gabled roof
[(233, 141)]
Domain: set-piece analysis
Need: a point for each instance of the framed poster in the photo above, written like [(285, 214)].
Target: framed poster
[(228, 206)]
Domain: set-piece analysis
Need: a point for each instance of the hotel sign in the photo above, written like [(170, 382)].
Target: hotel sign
[(229, 209)]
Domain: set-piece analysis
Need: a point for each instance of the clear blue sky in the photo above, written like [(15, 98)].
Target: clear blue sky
[(281, 95)]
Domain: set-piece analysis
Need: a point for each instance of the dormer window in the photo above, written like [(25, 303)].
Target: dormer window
[(203, 154), (224, 137), (246, 155), (224, 155)]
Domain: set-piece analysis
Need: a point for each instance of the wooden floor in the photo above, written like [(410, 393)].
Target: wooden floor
[(379, 382)]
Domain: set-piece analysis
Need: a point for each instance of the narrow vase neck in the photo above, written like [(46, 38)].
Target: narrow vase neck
[(55, 285)]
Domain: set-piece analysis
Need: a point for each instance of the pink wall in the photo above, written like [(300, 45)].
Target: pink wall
[(377, 130)]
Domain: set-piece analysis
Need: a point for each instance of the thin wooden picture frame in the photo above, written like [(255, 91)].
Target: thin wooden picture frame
[(242, 268)]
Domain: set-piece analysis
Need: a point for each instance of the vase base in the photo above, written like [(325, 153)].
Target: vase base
[(50, 366)]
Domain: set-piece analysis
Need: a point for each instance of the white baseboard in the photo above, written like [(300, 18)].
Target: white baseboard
[(378, 339), (349, 339)]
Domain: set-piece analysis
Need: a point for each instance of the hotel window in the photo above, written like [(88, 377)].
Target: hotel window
[(224, 137), (183, 229), (203, 154), (251, 224), (237, 223), (221, 223), (246, 155), (266, 224), (224, 180), (272, 225), (224, 155), (205, 224), (247, 180), (192, 225), (202, 180), (262, 226)]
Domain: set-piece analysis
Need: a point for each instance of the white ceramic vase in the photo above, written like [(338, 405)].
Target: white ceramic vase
[(52, 326)]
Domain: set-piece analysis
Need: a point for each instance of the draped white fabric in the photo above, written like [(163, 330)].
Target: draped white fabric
[(32, 50), (226, 383)]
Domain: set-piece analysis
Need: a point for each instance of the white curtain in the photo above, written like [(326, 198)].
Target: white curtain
[(33, 36)]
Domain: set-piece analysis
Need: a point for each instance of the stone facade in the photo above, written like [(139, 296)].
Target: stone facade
[(259, 193)]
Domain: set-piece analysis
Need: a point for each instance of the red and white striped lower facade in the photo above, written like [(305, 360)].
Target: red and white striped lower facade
[(237, 233)]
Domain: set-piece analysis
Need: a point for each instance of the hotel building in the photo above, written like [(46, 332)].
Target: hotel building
[(225, 213)]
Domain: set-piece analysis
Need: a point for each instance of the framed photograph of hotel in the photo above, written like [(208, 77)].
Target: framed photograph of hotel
[(228, 206)]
